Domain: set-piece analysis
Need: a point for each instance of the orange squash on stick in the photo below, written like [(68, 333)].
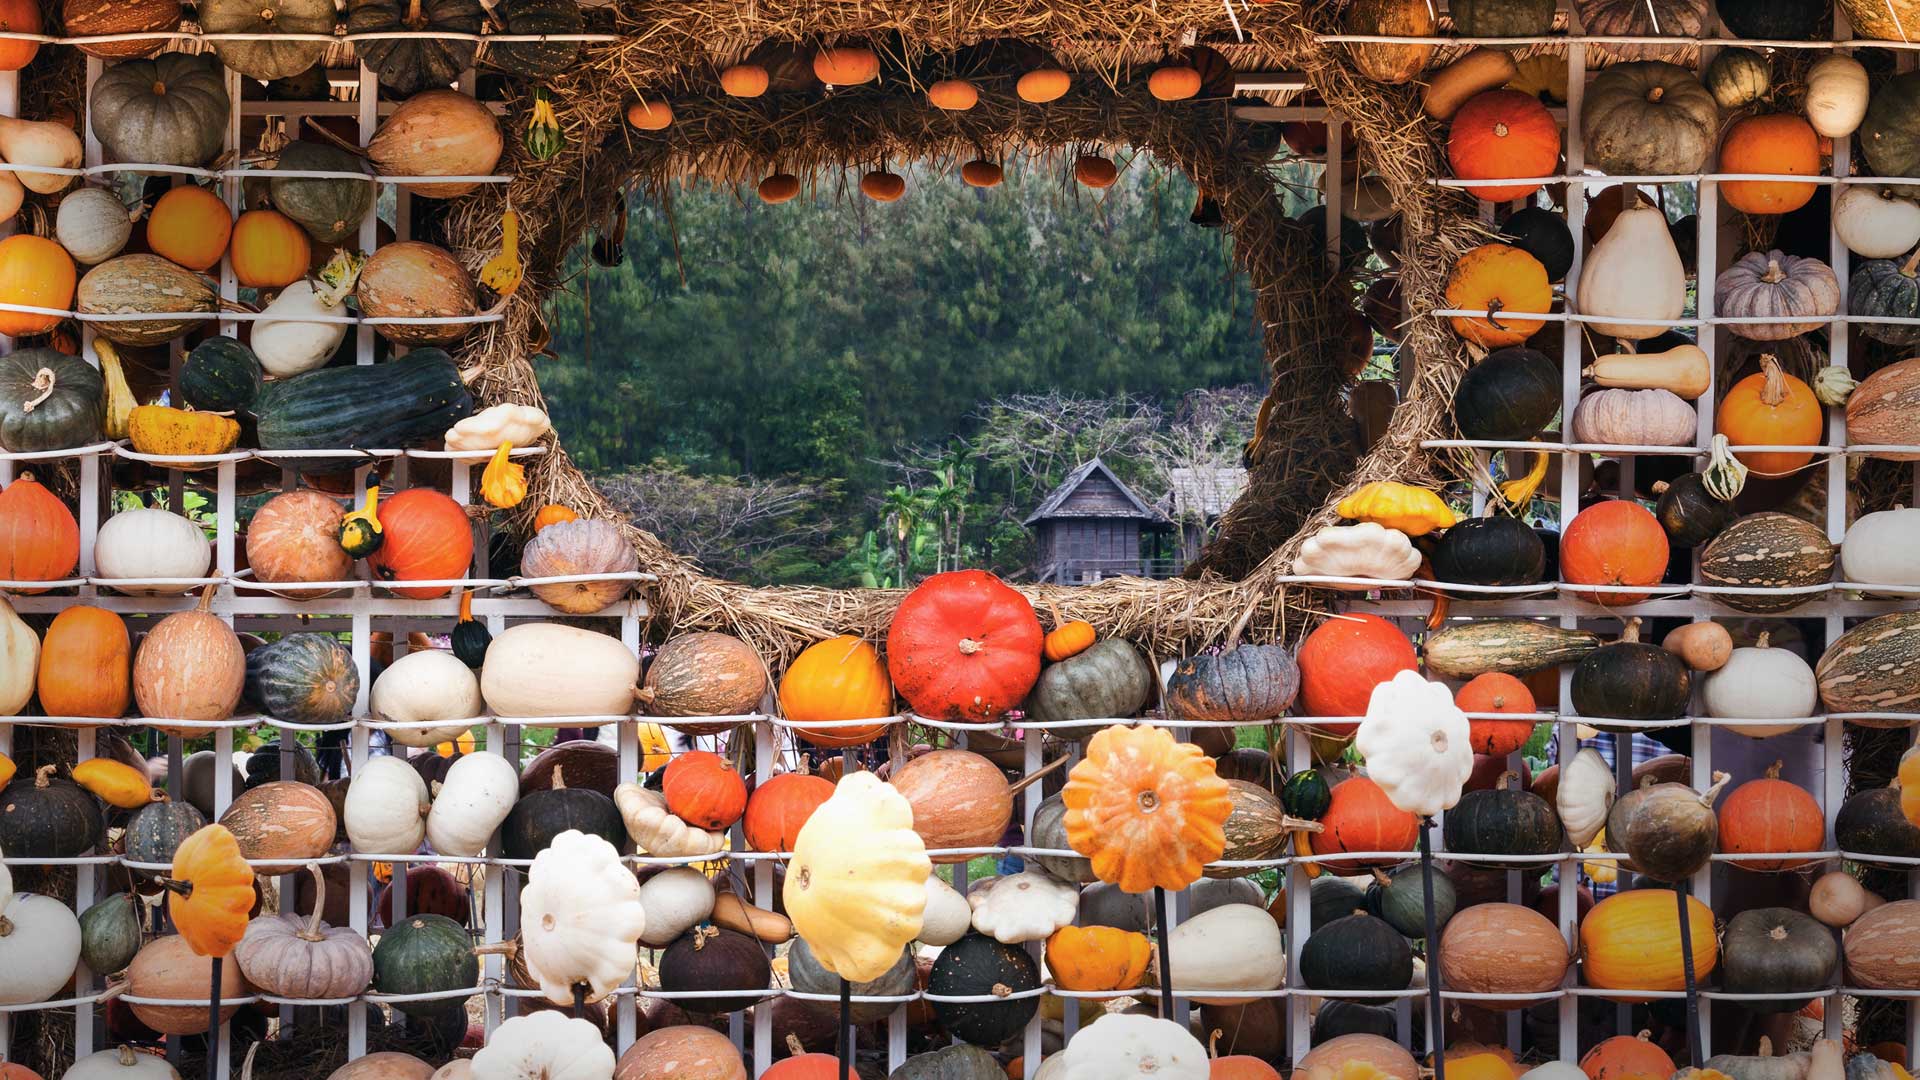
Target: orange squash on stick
[(210, 891), (1146, 810)]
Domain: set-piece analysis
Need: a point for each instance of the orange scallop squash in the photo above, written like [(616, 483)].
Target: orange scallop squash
[(1146, 810)]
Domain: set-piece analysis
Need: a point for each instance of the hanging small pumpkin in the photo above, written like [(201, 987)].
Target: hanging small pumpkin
[(1149, 812), (210, 891)]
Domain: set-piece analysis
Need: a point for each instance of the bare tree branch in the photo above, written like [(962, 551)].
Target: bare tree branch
[(724, 523)]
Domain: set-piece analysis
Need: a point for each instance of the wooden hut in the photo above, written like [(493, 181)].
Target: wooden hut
[(1091, 527)]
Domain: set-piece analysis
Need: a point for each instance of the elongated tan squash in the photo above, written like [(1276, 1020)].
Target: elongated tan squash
[(1684, 370), (1451, 86), (545, 669)]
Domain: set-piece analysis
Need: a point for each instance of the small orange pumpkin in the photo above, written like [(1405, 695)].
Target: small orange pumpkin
[(883, 186), (982, 174), (1617, 542), (39, 539), (1782, 143), (427, 538), (1496, 692), (778, 188), (1175, 83), (190, 225), (1069, 637), (210, 891), (777, 809), (1096, 958), (1768, 814), (1043, 85), (1500, 280), (1499, 134), (953, 95), (744, 80), (34, 272), (703, 789), (553, 514), (841, 678), (1146, 810), (1771, 408), (1626, 1056), (846, 66), (1095, 172), (270, 251), (650, 115)]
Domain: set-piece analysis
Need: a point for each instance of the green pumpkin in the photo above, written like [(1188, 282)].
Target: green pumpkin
[(1111, 680), (1497, 550), (960, 1061), (425, 954), (409, 65), (1501, 821), (1777, 950), (267, 59), (1870, 823), (1330, 898), (1544, 235), (1739, 77), (1247, 684), (1508, 397), (1356, 952), (303, 679), (1889, 137), (155, 832), (974, 966), (219, 375), (110, 934), (1050, 832), (1689, 513), (536, 59), (1630, 680), (331, 210), (43, 816), (1502, 18), (1890, 289), (1400, 898), (170, 110), (68, 401), (1306, 795), (1774, 20)]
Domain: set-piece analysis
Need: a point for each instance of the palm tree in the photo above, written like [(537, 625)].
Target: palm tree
[(902, 507)]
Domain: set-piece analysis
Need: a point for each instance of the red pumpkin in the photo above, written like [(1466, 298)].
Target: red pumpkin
[(1343, 660), (1625, 1057), (1496, 692), (778, 808), (1770, 814), (39, 540), (808, 1067), (1618, 542), (964, 646), (1500, 134), (703, 789), (1362, 818), (428, 538)]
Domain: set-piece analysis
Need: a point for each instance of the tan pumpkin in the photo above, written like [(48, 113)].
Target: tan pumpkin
[(167, 968), (590, 546), (190, 667), (1884, 410), (1389, 63), (284, 819), (1883, 947), (704, 674), (438, 133), (681, 1052), (415, 280), (959, 800), (1502, 949), (295, 537), (144, 284)]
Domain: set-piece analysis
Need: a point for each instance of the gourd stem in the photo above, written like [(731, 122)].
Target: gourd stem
[(1630, 633), (43, 776), (1213, 1041), (1720, 780), (1773, 770), (466, 605), (206, 600), (1911, 268), (312, 932), (1027, 781), (1775, 390), (1505, 777), (43, 382), (125, 1057)]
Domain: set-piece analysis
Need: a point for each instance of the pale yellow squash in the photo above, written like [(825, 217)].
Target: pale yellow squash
[(856, 889)]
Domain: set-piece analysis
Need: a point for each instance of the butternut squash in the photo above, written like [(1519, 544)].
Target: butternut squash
[(1451, 86), (1684, 370), (44, 143)]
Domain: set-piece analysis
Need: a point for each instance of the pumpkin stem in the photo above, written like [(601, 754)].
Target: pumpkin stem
[(1911, 268), (1213, 1041), (125, 1056), (1773, 770), (1001, 990), (1630, 633), (1380, 878), (1510, 774), (1300, 825), (466, 605), (1774, 275), (794, 1046), (508, 948), (1654, 95), (1766, 1047), (1028, 781), (43, 382), (559, 778), (1775, 390), (413, 20), (1720, 780), (312, 931), (1765, 640), (969, 646), (43, 776)]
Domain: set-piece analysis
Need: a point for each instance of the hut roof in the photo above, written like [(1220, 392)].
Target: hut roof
[(1061, 504)]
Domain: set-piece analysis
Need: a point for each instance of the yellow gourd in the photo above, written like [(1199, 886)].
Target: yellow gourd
[(162, 429), (504, 483), (655, 751), (1415, 511), (115, 782), (120, 401), (856, 889), (361, 533), (502, 273), (1520, 491), (1096, 958)]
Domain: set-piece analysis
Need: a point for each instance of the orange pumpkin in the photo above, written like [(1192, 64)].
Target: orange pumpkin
[(883, 186), (1631, 941), (34, 272), (1783, 144), (270, 250), (1146, 810), (1043, 85), (1343, 660), (1360, 817), (1176, 83), (964, 646), (777, 809), (1618, 542), (427, 538), (1770, 814), (191, 226), (552, 514), (1499, 280), (744, 80), (1068, 638), (703, 789), (10, 1070), (1909, 777), (1500, 134), (18, 17), (1771, 408), (39, 539), (1096, 958), (210, 891), (953, 95), (809, 1067), (982, 174), (650, 115), (846, 66), (1240, 1066), (841, 678), (1496, 692), (778, 188), (1625, 1057), (1095, 172)]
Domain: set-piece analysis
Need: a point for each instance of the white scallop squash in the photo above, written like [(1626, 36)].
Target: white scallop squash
[(1836, 95), (19, 660), (1761, 682), (545, 669), (1876, 222), (1120, 1046), (151, 543), (422, 686), (471, 803), (386, 807), (1634, 272), (1880, 548), (1231, 947)]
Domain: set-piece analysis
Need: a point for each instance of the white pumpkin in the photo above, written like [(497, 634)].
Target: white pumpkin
[(471, 803), (427, 684), (288, 343), (948, 917), (1555, 1070), (1880, 548), (151, 543), (1232, 947), (1634, 272), (386, 807), (676, 900), (1761, 683), (1365, 550), (1634, 418), (545, 1045), (120, 1063), (1876, 222), (1836, 95), (1119, 1046), (545, 669), (1028, 906), (39, 944), (1584, 795), (19, 660), (1415, 741), (580, 917), (495, 424), (93, 225)]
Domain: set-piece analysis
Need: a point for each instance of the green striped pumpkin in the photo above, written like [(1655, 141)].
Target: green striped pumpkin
[(1874, 667)]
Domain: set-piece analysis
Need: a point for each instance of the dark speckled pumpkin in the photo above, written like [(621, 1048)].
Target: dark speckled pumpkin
[(1249, 684), (977, 964)]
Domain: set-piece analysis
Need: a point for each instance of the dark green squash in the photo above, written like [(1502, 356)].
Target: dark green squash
[(1103, 904), (1338, 1017), (1495, 550), (1110, 680), (406, 402), (975, 965), (1889, 136), (1357, 952), (1050, 831), (110, 934), (1667, 831), (329, 209), (70, 414), (1689, 515), (220, 375), (1542, 234), (1870, 823), (1331, 897), (809, 976), (409, 65), (1247, 684), (263, 765), (539, 816), (1500, 821), (1254, 829), (1777, 950), (170, 110), (1768, 550), (1502, 18), (708, 959), (1774, 20), (1306, 794), (304, 679), (961, 1061), (156, 830), (1400, 898), (1631, 680), (1887, 289), (425, 954), (536, 59), (266, 59), (1508, 397), (43, 816)]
